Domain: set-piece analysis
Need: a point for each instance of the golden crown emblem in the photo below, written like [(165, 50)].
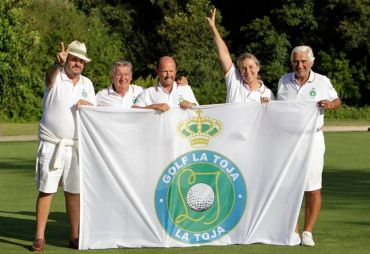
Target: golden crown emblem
[(199, 129)]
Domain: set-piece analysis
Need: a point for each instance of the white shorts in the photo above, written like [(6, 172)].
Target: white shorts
[(314, 178), (68, 176)]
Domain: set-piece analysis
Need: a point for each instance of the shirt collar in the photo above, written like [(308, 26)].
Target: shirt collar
[(310, 79), (112, 92), (64, 77), (261, 89), (160, 87)]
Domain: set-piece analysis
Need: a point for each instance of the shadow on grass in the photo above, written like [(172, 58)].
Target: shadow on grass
[(352, 185), (16, 164), (13, 227)]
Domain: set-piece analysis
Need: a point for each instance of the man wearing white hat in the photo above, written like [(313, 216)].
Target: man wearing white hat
[(57, 163)]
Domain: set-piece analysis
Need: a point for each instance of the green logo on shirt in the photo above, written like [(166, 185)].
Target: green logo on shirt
[(84, 93), (313, 92), (134, 99)]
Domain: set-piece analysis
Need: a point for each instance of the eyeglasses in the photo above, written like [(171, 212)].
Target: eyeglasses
[(118, 75)]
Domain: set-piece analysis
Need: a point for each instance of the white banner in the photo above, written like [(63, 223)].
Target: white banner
[(214, 175)]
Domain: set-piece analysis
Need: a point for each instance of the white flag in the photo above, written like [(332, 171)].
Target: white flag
[(213, 175)]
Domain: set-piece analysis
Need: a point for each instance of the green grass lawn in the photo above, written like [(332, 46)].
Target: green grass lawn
[(341, 122), (343, 226), (13, 129)]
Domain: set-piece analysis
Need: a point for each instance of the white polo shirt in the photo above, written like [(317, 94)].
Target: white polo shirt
[(109, 98), (318, 87), (157, 94), (59, 111), (239, 91)]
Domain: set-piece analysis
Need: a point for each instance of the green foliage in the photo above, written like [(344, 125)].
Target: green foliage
[(354, 24), (190, 42), (146, 82), (347, 112), (19, 87), (340, 74), (270, 46), (353, 28), (103, 47), (298, 15), (139, 41), (142, 31), (339, 41), (31, 32)]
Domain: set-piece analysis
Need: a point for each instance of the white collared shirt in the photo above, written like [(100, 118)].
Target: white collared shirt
[(58, 107), (239, 91), (318, 87), (157, 94), (109, 98)]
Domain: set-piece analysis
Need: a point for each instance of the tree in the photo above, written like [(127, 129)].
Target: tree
[(339, 42), (18, 82), (270, 46), (28, 46), (189, 40), (353, 27), (340, 73), (103, 46), (135, 22)]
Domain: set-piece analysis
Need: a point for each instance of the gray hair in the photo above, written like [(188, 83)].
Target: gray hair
[(121, 63), (244, 56), (303, 49)]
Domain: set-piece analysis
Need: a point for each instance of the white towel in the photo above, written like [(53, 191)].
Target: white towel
[(61, 143)]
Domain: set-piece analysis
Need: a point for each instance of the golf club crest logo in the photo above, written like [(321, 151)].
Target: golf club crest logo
[(201, 195), (84, 93), (312, 93), (199, 129)]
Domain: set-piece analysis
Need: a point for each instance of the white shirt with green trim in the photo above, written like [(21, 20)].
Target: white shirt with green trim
[(59, 111), (318, 87), (239, 91), (157, 94), (109, 98)]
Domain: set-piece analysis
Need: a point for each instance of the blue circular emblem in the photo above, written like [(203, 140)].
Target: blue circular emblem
[(200, 197)]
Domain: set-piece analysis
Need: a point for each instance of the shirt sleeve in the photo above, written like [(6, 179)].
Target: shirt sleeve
[(272, 96), (332, 93), (92, 97), (281, 85), (102, 98), (231, 76), (191, 95)]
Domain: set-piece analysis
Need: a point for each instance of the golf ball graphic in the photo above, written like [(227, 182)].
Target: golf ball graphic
[(200, 197)]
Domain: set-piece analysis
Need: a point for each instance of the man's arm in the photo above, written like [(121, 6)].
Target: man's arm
[(327, 104), (83, 103), (54, 69), (182, 81), (187, 104), (222, 50), (161, 106), (141, 102)]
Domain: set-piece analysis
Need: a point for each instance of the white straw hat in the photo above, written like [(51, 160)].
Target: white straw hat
[(78, 49)]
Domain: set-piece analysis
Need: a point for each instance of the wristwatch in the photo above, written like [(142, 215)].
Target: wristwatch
[(56, 64)]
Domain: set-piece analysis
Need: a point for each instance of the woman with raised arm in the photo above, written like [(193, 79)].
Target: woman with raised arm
[(242, 81)]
